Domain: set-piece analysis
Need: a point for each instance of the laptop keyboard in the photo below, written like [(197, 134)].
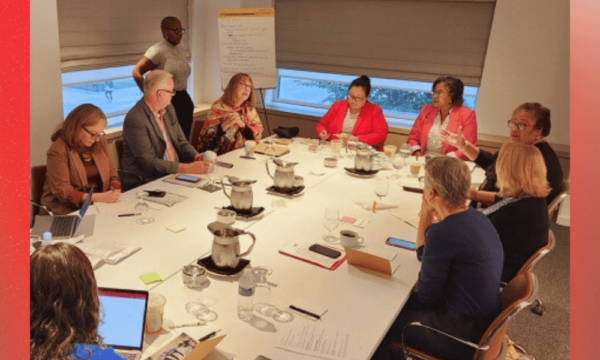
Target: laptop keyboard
[(63, 226)]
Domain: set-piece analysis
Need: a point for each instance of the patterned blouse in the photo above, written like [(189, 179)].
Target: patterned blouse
[(212, 137)]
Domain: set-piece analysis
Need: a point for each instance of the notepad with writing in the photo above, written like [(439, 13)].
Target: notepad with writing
[(299, 249)]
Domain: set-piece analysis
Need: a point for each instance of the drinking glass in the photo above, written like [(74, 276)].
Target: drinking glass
[(382, 186), (200, 309), (397, 163), (265, 303), (212, 175), (405, 151), (142, 207), (331, 221)]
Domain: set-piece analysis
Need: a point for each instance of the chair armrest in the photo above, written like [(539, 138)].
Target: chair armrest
[(465, 342)]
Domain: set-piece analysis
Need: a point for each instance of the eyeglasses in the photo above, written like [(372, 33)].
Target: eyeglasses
[(167, 91), (520, 126), (246, 86), (354, 98), (92, 135), (177, 31)]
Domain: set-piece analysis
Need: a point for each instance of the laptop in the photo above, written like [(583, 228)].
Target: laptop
[(122, 320), (66, 226)]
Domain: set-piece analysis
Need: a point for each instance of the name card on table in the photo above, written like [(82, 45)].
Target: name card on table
[(384, 262)]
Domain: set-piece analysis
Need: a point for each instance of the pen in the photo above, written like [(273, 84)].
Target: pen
[(302, 311), (187, 325), (206, 337), (132, 214)]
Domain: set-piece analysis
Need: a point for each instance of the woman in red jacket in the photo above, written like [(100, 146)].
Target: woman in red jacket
[(447, 112), (356, 116)]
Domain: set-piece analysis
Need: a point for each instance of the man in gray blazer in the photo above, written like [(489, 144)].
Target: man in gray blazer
[(153, 143)]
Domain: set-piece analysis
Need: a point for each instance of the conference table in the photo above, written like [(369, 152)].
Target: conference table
[(359, 304)]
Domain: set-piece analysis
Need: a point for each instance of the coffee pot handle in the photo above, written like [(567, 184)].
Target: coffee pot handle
[(267, 165), (223, 186), (251, 246)]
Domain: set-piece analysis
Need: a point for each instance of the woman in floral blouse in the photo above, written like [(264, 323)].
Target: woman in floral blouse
[(232, 119)]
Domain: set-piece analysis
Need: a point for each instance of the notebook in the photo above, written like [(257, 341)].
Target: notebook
[(66, 226), (122, 320)]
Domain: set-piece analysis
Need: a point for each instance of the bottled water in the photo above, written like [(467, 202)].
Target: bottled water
[(246, 295)]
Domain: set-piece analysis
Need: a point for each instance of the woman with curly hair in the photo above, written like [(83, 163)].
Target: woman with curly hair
[(232, 119), (64, 306)]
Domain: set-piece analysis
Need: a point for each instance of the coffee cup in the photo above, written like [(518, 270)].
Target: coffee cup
[(249, 147), (155, 313), (389, 150), (415, 168), (298, 181), (210, 156), (349, 238)]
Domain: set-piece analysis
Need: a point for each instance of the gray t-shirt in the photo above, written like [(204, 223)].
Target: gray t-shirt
[(172, 59)]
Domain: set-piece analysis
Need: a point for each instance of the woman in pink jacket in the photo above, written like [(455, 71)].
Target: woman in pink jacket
[(356, 116), (447, 112)]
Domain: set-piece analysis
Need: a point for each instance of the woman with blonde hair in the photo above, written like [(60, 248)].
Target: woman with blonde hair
[(232, 119), (64, 306), (521, 215), (78, 161)]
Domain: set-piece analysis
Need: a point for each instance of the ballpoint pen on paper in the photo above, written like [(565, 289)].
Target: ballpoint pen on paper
[(200, 323), (305, 312), (131, 214), (208, 336)]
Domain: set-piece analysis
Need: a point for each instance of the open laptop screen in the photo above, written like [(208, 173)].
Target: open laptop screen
[(122, 318), (84, 207)]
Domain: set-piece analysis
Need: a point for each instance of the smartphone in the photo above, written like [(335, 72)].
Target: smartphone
[(156, 193), (323, 250), (189, 178), (224, 164), (401, 243)]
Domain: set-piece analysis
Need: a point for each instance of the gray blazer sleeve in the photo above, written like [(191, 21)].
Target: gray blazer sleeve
[(146, 147)]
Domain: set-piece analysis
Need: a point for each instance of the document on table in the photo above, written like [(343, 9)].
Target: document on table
[(320, 341), (299, 249), (409, 216)]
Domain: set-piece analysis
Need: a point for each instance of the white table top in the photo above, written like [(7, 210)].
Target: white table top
[(359, 300)]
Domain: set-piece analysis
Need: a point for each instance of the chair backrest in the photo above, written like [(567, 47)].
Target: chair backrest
[(119, 151), (538, 255), (195, 135), (38, 177), (517, 295), (553, 206)]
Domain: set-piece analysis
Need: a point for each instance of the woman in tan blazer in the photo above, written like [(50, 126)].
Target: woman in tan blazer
[(77, 161)]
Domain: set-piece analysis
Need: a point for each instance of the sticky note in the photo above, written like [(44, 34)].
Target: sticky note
[(348, 219), (150, 278)]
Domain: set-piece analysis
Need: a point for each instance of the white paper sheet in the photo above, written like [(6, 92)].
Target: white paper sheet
[(320, 341)]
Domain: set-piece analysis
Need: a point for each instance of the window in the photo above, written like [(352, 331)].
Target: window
[(112, 89), (313, 93)]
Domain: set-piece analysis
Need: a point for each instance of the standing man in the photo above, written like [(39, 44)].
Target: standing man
[(153, 143)]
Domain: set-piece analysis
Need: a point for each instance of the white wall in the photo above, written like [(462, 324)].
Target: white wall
[(527, 61), (45, 92)]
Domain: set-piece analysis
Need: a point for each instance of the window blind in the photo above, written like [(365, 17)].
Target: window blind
[(96, 34), (399, 39)]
